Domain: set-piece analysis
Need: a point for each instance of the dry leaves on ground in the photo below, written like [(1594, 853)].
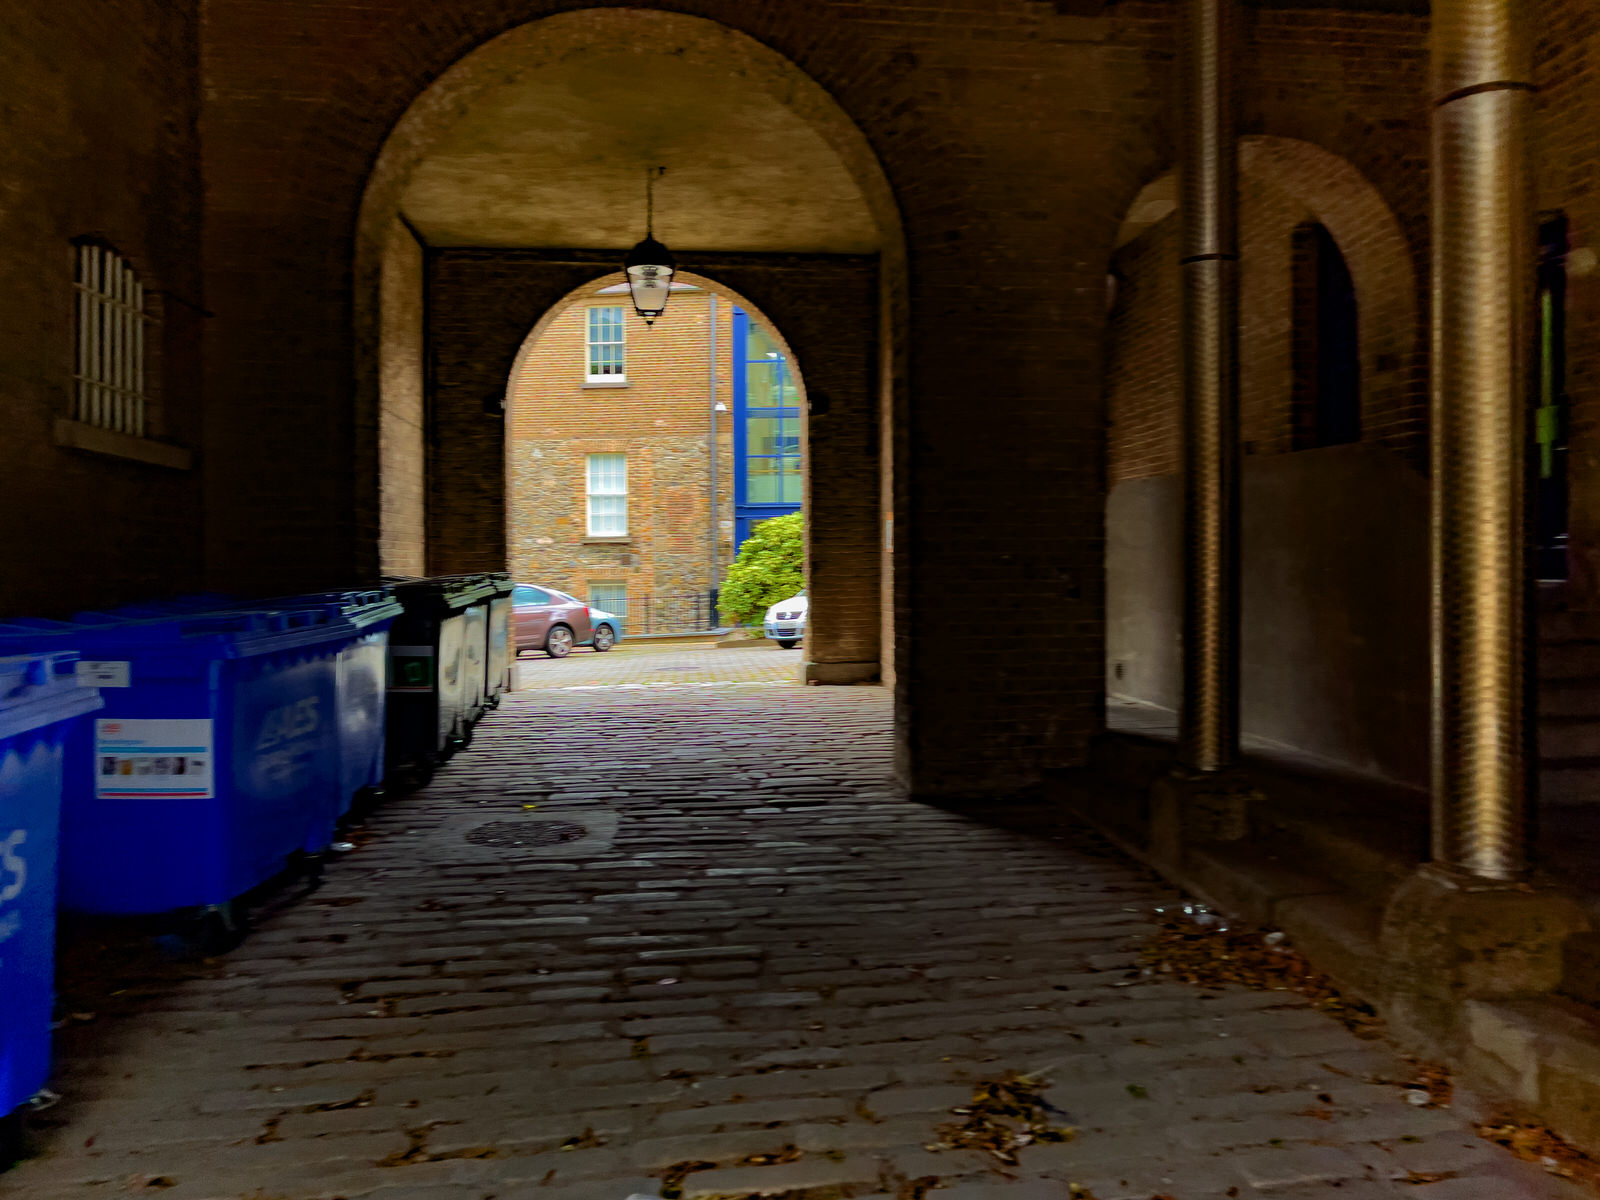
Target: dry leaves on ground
[(587, 1140), (785, 1154), (1536, 1144), (1003, 1116), (1197, 946), (1434, 1082)]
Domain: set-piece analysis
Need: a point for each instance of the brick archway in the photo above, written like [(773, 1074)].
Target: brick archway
[(479, 297), (1382, 264), (682, 452), (1335, 541)]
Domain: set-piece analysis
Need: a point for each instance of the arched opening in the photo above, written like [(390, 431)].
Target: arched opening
[(1326, 342), (517, 177), (1334, 648), (638, 459)]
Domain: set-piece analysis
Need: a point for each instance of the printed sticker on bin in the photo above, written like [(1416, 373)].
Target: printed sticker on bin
[(150, 760), (105, 674)]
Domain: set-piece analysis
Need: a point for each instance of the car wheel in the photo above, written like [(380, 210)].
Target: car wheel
[(787, 643), (558, 642), (604, 638)]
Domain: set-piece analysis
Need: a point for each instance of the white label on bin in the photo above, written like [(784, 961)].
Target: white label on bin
[(149, 760), (105, 674)]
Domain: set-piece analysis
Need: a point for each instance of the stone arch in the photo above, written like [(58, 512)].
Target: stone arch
[(1381, 262)]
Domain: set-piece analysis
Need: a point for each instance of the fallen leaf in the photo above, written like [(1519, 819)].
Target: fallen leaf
[(1004, 1115), (787, 1154), (587, 1140), (1194, 946), (1536, 1144)]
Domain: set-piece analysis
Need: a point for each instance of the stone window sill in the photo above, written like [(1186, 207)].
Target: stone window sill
[(607, 541), (605, 383), (77, 435)]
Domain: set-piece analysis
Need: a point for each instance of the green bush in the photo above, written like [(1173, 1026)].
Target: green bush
[(771, 566)]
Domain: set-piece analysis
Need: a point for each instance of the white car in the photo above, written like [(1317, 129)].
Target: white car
[(786, 621)]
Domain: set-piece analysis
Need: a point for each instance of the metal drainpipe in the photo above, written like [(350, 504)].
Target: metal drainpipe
[(1482, 281), (1209, 720), (711, 369)]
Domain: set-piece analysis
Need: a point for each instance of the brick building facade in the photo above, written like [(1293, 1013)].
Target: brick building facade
[(325, 380), (636, 418)]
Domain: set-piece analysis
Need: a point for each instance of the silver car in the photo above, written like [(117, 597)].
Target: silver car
[(786, 621)]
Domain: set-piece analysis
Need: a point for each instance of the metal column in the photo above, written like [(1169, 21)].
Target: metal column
[(1209, 722), (1482, 280)]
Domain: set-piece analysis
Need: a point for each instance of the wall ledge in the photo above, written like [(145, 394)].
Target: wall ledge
[(77, 435)]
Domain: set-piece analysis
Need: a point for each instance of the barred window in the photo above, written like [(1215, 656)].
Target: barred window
[(607, 353), (110, 370)]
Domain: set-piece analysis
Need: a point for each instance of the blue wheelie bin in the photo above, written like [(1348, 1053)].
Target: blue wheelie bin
[(362, 669), (214, 765), (40, 697)]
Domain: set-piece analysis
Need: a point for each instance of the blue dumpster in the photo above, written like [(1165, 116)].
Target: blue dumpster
[(214, 764), (39, 697), (361, 672)]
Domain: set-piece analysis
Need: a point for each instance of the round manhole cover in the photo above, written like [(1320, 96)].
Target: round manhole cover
[(509, 835)]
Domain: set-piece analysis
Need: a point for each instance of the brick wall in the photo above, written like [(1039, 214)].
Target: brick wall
[(402, 449), (1567, 175), (1014, 135), (660, 420), (1143, 356), (484, 302), (100, 101), (1285, 186)]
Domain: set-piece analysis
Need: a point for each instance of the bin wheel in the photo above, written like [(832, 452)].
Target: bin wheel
[(211, 931), (10, 1138)]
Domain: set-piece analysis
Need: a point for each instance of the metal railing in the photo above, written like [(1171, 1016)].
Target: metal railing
[(646, 614)]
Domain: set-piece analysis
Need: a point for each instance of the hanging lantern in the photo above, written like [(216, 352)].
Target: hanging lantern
[(650, 265)]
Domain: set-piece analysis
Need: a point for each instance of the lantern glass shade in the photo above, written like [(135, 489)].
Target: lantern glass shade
[(650, 268)]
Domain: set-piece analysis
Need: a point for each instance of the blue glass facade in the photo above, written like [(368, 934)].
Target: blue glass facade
[(766, 428)]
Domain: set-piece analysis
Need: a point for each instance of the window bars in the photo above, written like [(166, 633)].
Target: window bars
[(110, 342)]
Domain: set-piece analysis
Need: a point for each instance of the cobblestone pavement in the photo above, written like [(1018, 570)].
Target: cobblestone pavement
[(638, 665), (752, 971)]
